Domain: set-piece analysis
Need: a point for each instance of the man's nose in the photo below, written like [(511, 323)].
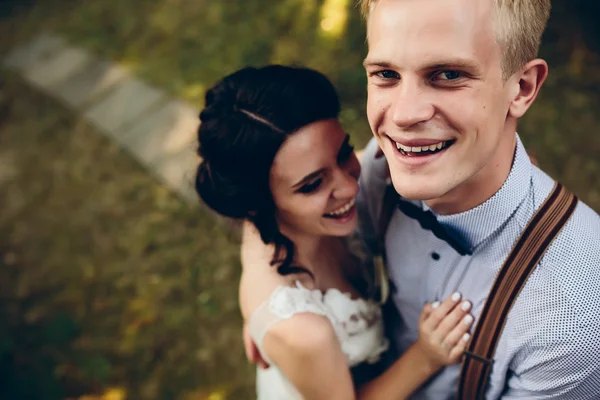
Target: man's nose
[(411, 105)]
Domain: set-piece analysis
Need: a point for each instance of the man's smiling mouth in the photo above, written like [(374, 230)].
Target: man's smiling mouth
[(420, 151)]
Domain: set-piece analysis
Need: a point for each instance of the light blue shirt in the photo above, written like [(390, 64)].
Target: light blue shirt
[(550, 346)]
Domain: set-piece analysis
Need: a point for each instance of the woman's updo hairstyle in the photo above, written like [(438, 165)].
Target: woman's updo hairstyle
[(247, 117)]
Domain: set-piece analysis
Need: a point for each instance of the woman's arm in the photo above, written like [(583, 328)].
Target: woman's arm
[(253, 250), (306, 350), (253, 253), (308, 353), (442, 340)]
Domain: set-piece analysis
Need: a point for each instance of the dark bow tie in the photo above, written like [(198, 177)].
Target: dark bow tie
[(429, 221)]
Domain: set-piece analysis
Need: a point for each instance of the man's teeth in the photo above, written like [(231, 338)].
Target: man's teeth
[(418, 149), (343, 209)]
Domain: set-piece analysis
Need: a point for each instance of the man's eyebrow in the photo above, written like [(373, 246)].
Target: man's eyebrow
[(453, 64), (377, 63), (309, 177), (447, 64)]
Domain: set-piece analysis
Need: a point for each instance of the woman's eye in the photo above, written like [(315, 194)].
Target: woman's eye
[(345, 153), (310, 187)]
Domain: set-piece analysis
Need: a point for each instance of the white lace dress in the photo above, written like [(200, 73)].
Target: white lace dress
[(357, 323)]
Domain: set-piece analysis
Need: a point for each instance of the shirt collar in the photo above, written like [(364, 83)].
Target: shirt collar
[(476, 225)]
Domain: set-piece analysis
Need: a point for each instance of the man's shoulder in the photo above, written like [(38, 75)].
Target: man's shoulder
[(578, 243), (575, 253), (582, 231), (569, 272), (372, 182), (562, 295), (373, 170)]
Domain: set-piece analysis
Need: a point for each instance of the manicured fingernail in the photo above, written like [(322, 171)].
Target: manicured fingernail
[(466, 306), (466, 337), (435, 304), (468, 320), (455, 297)]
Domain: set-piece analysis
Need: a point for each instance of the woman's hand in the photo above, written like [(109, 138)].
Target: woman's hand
[(443, 331), (252, 353)]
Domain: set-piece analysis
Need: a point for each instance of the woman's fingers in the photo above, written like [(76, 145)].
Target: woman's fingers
[(444, 329), (456, 337), (457, 351), (439, 312), (454, 318), (459, 333), (427, 309)]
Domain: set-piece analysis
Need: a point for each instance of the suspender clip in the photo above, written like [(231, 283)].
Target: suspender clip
[(476, 357)]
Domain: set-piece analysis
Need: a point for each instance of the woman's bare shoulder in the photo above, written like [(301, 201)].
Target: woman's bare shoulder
[(304, 335), (258, 284)]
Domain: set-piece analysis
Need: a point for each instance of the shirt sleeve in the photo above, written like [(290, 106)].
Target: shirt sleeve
[(567, 369), (560, 351)]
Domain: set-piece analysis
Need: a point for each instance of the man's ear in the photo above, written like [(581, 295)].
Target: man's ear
[(527, 83)]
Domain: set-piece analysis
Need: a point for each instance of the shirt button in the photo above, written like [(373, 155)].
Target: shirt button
[(435, 256)]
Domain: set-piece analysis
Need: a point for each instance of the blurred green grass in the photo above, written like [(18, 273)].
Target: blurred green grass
[(106, 278), (110, 281)]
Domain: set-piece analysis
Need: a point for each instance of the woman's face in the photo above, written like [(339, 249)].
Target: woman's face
[(314, 181)]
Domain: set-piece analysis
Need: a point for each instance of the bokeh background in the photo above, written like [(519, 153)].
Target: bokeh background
[(112, 287)]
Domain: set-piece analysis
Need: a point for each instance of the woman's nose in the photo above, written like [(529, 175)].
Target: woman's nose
[(346, 185)]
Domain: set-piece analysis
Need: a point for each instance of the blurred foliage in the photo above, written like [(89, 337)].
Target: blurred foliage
[(112, 288), (107, 280), (187, 45)]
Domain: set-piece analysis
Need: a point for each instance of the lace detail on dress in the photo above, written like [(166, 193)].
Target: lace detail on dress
[(287, 301), (356, 322)]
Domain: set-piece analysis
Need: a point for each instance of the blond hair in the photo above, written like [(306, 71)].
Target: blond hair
[(519, 25)]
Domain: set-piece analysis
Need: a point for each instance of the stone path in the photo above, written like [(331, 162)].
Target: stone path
[(156, 129), (153, 127)]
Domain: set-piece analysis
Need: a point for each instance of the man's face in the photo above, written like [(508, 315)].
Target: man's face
[(437, 103)]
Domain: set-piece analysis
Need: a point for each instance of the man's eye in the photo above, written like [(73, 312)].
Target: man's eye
[(387, 74), (448, 76), (311, 187)]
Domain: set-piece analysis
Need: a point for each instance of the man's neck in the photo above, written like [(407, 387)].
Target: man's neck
[(483, 185)]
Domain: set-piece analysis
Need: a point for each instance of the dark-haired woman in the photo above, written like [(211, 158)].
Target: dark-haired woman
[(275, 155)]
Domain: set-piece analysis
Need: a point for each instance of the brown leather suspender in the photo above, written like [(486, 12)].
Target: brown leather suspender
[(533, 242), (542, 229)]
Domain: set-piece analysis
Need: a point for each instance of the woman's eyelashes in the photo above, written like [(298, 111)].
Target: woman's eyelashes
[(311, 187), (343, 156), (345, 151)]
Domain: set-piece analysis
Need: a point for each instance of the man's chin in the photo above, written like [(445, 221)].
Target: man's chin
[(418, 191)]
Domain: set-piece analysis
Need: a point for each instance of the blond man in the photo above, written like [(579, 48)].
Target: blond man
[(448, 81)]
